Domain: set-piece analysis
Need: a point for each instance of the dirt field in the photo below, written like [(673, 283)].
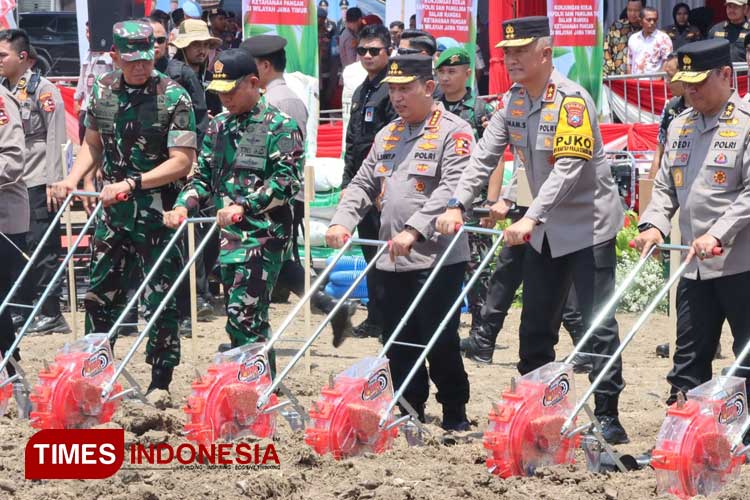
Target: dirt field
[(435, 471)]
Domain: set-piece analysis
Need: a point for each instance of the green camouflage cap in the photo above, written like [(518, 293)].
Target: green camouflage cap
[(134, 40), (455, 56)]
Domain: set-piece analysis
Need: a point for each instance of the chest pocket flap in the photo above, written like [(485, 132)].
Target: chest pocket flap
[(383, 169)]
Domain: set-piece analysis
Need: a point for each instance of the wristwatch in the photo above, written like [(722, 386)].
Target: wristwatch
[(456, 203), (646, 226)]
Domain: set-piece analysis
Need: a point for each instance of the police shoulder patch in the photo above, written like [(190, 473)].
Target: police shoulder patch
[(574, 136)]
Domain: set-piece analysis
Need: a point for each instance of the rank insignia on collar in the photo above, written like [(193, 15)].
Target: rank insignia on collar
[(431, 136), (435, 118), (727, 133), (549, 94), (388, 147), (518, 113), (427, 146), (728, 111), (519, 102), (393, 138)]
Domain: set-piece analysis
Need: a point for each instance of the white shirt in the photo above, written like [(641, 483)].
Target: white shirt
[(648, 54), (97, 63)]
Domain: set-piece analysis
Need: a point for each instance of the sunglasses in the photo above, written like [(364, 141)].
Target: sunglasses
[(403, 51), (161, 39), (372, 50)]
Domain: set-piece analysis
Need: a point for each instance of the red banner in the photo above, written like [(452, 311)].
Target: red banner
[(574, 22), (285, 12), (447, 18)]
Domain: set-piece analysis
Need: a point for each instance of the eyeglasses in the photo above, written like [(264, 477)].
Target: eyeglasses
[(404, 51), (161, 39), (372, 50)]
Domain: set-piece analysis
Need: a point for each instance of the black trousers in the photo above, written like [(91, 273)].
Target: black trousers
[(505, 281), (369, 228), (702, 307), (446, 368), (546, 282), (292, 274), (48, 260), (13, 262)]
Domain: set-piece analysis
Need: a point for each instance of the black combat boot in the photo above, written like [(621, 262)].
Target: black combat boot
[(480, 345)]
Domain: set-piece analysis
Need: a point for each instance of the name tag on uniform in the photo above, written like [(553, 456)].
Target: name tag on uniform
[(369, 114)]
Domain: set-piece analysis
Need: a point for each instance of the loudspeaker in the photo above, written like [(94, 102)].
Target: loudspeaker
[(103, 14)]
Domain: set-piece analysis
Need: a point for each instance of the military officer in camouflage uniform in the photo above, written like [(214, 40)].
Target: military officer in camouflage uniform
[(576, 213), (140, 126), (250, 164), (453, 69), (411, 171), (705, 172)]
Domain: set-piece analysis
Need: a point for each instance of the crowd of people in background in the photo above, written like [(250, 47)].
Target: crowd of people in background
[(635, 45)]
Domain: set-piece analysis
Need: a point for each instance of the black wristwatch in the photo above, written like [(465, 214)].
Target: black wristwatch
[(646, 226), (137, 181), (456, 203)]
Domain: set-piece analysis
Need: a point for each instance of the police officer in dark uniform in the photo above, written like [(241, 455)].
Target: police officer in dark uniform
[(734, 29), (705, 171), (371, 111), (411, 170), (550, 121)]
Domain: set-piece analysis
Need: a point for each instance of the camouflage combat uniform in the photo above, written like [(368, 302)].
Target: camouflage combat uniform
[(253, 160), (475, 111), (137, 127)]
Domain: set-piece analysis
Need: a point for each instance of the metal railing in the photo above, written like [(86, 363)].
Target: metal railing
[(647, 91)]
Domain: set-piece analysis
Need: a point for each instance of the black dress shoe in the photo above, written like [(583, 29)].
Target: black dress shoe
[(454, 419), (186, 328), (612, 430), (662, 350), (205, 310), (44, 325), (367, 329)]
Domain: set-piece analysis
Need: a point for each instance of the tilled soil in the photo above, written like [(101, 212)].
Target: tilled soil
[(441, 469)]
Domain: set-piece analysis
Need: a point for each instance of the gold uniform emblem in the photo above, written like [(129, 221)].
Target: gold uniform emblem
[(510, 31), (687, 62)]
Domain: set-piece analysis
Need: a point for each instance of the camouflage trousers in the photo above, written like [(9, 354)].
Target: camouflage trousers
[(479, 245), (247, 289), (127, 241)]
